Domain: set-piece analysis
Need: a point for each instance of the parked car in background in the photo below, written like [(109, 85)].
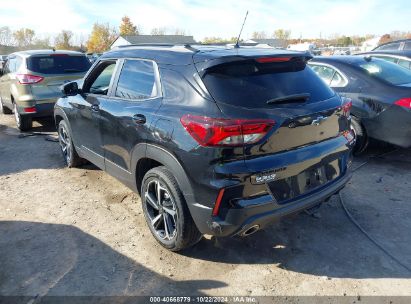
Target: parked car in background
[(304, 47), (31, 80), (402, 58), (3, 59), (206, 139), (398, 45), (380, 92)]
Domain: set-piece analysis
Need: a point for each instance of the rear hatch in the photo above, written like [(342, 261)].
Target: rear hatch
[(55, 70), (280, 88)]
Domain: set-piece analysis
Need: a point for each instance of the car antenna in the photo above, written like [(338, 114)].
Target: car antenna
[(237, 44)]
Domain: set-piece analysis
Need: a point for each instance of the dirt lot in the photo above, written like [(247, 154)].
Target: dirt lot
[(81, 232)]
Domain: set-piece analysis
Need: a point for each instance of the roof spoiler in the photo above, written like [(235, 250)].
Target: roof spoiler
[(202, 66)]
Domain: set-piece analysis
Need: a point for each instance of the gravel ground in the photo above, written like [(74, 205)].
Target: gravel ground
[(81, 232)]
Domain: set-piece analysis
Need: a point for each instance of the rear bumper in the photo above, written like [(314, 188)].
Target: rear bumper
[(245, 204), (392, 126), (275, 211), (267, 211), (44, 109)]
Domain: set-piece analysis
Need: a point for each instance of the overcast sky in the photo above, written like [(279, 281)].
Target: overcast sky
[(207, 18)]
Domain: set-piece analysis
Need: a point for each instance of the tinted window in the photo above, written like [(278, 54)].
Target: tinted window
[(338, 80), (390, 59), (325, 73), (389, 47), (102, 81), (387, 71), (405, 63), (407, 45), (252, 84), (58, 64), (137, 80)]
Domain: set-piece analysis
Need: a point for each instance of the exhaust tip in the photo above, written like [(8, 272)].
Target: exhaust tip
[(251, 230)]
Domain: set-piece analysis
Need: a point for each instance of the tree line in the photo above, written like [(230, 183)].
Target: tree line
[(100, 39), (103, 35)]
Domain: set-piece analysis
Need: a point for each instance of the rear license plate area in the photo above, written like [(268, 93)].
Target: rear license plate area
[(303, 183)]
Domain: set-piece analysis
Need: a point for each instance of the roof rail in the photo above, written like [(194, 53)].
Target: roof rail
[(185, 45)]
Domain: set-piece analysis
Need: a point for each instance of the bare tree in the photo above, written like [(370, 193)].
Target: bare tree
[(24, 37), (6, 36), (180, 32), (259, 35), (63, 40), (282, 34), (159, 31)]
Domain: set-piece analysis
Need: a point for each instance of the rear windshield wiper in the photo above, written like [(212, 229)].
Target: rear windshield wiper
[(290, 98), (72, 71)]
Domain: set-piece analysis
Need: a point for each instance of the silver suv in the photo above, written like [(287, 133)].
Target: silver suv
[(30, 82)]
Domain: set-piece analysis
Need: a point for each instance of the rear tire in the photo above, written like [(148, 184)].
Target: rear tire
[(23, 122), (70, 155), (168, 218), (4, 109), (361, 138)]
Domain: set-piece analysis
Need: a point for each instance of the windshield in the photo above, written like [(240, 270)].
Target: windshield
[(58, 64), (387, 71), (251, 84)]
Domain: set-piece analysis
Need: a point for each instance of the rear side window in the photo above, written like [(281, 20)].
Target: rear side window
[(405, 63), (390, 59), (330, 76), (58, 64), (137, 80), (251, 84), (407, 45), (389, 47), (325, 73), (387, 71)]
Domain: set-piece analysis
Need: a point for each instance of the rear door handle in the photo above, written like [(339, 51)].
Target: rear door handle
[(139, 119), (95, 108)]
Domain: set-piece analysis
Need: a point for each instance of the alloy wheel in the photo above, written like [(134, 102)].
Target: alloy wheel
[(65, 143), (161, 210)]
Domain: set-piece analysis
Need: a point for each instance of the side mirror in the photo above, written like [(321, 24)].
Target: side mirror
[(70, 89)]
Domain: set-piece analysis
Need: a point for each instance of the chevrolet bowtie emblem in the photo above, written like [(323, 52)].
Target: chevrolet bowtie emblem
[(318, 120)]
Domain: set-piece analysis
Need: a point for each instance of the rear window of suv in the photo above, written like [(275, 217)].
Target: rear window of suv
[(251, 84), (58, 64)]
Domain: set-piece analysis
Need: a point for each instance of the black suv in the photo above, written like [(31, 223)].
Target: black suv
[(217, 140)]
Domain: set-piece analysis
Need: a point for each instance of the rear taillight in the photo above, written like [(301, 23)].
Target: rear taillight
[(404, 102), (28, 79), (346, 105), (272, 59), (225, 132), (217, 204), (30, 110)]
